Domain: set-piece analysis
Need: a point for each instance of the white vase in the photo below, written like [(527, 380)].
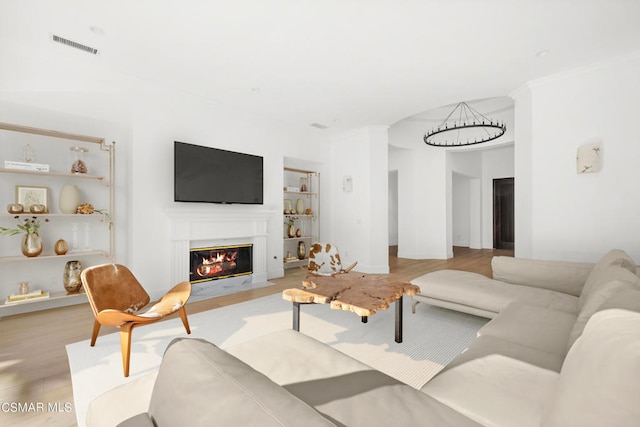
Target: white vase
[(300, 206), (69, 199)]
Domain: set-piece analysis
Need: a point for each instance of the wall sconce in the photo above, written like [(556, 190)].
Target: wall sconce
[(347, 184), (588, 158)]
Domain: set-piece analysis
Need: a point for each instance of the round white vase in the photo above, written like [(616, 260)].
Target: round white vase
[(69, 199)]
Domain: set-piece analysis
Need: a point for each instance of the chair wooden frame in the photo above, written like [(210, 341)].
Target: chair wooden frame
[(116, 298)]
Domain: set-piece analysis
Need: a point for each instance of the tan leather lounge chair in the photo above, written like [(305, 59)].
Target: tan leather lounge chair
[(117, 298)]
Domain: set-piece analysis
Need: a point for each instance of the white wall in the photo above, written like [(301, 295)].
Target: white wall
[(393, 208), (461, 212), (359, 221), (144, 125), (159, 119), (422, 203), (472, 174), (496, 163), (579, 217)]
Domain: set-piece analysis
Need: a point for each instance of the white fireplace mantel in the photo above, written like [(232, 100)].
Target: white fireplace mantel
[(227, 225)]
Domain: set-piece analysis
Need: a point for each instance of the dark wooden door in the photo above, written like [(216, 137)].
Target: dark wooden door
[(503, 213)]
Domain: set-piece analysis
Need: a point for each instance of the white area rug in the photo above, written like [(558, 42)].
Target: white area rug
[(432, 338)]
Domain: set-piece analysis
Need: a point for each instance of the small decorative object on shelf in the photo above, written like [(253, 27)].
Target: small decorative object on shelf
[(304, 184), (38, 208), (291, 231), (31, 245), (24, 288), (288, 206), (61, 247), (300, 206), (71, 277), (302, 250), (69, 199), (33, 295), (85, 209), (38, 167), (78, 164), (298, 233), (28, 153), (15, 208), (31, 195), (31, 242)]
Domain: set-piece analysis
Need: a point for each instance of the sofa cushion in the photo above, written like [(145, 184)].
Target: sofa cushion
[(598, 383), (602, 274), (486, 345), (299, 350), (563, 276), (598, 295), (199, 384), (628, 299), (532, 326), (371, 398), (341, 388), (140, 420), (477, 290), (496, 390)]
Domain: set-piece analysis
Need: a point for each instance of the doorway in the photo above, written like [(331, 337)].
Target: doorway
[(503, 213)]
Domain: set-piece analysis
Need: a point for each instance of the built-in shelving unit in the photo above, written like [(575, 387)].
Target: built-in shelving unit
[(91, 237), (301, 206)]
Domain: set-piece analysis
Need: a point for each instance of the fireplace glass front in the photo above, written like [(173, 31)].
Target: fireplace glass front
[(220, 262)]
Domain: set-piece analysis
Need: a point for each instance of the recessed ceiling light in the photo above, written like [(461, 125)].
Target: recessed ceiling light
[(543, 53), (97, 30)]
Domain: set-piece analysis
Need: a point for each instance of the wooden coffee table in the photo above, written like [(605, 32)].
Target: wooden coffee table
[(363, 295)]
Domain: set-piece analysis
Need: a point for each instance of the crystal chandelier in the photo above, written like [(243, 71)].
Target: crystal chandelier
[(464, 126)]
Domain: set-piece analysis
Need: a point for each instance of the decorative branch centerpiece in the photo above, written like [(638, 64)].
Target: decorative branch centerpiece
[(31, 242)]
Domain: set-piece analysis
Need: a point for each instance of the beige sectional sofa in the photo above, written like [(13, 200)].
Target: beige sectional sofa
[(532, 365), (522, 367)]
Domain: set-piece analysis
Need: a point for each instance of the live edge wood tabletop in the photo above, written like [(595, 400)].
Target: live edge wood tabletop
[(358, 293)]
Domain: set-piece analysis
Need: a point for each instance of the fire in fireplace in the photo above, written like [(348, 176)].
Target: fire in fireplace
[(220, 262)]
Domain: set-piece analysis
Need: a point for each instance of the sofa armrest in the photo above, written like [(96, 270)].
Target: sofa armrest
[(121, 402), (199, 384), (560, 276)]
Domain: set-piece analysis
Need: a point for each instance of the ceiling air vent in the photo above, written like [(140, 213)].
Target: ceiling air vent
[(319, 126), (76, 45)]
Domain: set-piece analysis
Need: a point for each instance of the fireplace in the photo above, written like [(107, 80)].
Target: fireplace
[(220, 262), (224, 225)]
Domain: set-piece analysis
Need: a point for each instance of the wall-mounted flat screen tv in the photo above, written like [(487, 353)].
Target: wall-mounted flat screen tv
[(211, 175)]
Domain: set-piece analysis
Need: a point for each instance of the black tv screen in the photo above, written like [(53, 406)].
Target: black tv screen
[(211, 175)]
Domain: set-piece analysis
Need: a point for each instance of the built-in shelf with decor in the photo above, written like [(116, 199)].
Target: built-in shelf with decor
[(301, 215), (37, 166)]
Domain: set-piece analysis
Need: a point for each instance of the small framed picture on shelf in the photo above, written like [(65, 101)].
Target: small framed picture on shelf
[(28, 196)]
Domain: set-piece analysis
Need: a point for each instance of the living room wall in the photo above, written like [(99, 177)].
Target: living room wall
[(359, 215), (578, 216), (144, 123), (160, 117)]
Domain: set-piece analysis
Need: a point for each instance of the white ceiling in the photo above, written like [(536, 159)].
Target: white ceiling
[(340, 63)]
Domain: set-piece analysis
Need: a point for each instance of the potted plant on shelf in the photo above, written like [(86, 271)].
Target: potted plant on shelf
[(31, 242), (291, 231)]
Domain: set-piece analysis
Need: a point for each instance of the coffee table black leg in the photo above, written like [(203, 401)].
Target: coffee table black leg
[(365, 319), (296, 316), (399, 320)]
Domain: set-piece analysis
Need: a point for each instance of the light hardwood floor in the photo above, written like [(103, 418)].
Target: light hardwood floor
[(33, 359)]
